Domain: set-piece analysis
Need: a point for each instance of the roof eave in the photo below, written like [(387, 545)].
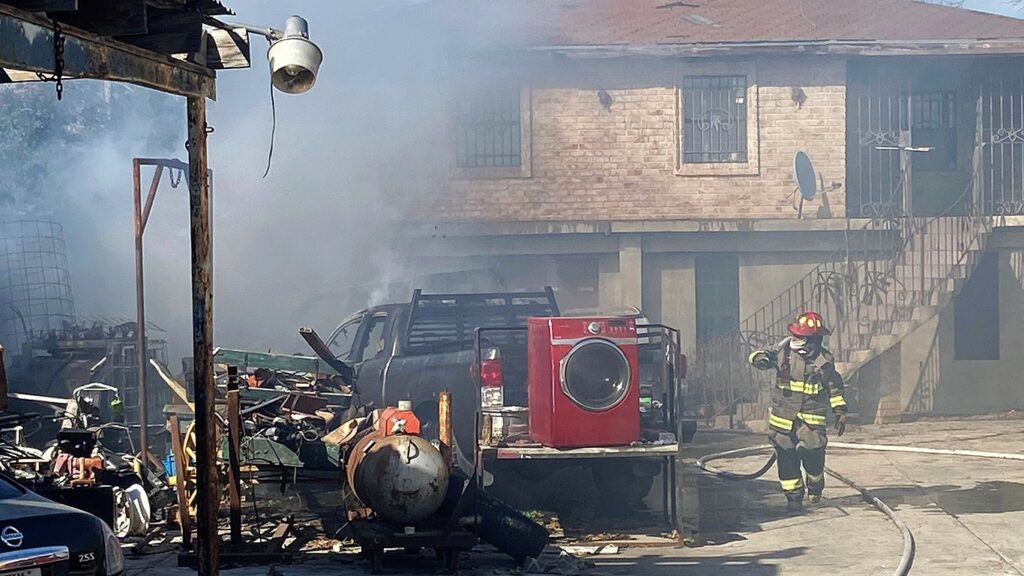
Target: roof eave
[(812, 47)]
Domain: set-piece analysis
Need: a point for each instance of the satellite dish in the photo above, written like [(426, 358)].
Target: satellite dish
[(803, 171)]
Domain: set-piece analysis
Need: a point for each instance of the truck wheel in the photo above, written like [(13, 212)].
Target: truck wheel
[(427, 414), (622, 486)]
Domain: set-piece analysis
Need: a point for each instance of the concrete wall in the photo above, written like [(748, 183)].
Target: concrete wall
[(670, 295), (950, 386), (622, 163), (765, 275)]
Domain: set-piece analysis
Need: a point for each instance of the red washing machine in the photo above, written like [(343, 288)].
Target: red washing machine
[(583, 381)]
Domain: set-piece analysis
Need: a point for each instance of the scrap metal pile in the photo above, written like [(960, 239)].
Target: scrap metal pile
[(294, 446), (364, 473), (91, 464)]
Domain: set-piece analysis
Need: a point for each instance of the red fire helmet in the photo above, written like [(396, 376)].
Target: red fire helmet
[(809, 324)]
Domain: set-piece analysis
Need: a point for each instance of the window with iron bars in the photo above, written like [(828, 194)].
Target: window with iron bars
[(933, 117), (488, 130), (714, 119)]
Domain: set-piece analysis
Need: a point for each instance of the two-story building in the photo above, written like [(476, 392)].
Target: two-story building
[(641, 153)]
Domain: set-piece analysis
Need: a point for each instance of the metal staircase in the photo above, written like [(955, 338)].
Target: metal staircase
[(894, 273)]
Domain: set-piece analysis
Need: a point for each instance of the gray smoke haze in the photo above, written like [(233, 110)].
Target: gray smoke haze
[(304, 245)]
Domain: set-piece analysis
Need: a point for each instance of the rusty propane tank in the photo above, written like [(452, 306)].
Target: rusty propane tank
[(401, 477)]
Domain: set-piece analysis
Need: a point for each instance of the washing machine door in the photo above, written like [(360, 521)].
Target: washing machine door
[(595, 374)]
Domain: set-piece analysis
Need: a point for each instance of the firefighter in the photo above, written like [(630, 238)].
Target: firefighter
[(807, 386)]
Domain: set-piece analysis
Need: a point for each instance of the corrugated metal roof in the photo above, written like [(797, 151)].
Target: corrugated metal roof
[(647, 22)]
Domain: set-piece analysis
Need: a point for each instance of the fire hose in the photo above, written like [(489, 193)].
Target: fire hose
[(906, 560)]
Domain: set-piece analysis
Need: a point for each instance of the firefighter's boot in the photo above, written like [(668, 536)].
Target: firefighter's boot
[(794, 503)]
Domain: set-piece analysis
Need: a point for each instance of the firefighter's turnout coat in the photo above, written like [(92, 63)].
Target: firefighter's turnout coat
[(806, 388)]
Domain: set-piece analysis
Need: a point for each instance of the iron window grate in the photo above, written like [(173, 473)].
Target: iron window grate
[(714, 119), (488, 130)]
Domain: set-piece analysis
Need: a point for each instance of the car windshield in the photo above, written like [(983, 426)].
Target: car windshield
[(340, 340), (9, 489)]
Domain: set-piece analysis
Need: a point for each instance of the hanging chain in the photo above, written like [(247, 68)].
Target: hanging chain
[(58, 61), (175, 180)]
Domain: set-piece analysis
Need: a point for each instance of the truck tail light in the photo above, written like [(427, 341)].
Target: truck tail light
[(490, 382), (682, 365), (490, 373)]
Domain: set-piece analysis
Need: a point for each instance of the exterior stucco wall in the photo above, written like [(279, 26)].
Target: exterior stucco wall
[(932, 380)]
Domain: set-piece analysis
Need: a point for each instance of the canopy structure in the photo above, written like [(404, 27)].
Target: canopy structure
[(174, 46)]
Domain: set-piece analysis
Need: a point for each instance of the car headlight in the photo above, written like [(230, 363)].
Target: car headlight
[(113, 558)]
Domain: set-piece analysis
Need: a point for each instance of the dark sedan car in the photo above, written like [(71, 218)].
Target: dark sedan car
[(39, 537)]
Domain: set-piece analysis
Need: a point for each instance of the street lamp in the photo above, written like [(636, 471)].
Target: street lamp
[(294, 58)]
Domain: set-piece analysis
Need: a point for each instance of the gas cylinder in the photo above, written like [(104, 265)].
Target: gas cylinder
[(401, 477)]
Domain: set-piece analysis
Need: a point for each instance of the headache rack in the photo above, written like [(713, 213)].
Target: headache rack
[(447, 320)]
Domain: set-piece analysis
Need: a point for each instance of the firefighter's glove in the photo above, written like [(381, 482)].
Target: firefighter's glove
[(763, 359), (840, 424)]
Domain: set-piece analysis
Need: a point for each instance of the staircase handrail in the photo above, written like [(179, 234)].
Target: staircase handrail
[(896, 237)]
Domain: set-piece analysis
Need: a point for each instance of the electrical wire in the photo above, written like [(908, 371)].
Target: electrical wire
[(273, 128)]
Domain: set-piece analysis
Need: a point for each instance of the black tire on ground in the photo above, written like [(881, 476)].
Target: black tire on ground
[(508, 529), (498, 524), (427, 414), (622, 486)]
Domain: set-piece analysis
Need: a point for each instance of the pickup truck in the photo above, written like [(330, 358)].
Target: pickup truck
[(414, 350)]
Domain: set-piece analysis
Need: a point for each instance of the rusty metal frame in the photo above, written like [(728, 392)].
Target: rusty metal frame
[(26, 44), (141, 219)]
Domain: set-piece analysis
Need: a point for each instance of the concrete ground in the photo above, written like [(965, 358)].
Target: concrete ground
[(967, 515)]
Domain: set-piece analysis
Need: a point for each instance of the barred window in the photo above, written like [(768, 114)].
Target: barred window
[(714, 119), (933, 124), (488, 130)]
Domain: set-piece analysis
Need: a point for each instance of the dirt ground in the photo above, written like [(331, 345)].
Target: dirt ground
[(966, 514)]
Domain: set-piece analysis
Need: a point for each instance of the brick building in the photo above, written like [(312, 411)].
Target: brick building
[(641, 153)]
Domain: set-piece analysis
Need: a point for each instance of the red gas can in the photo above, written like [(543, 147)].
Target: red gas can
[(400, 420)]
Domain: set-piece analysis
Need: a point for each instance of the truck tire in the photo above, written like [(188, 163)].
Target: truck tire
[(500, 525), (427, 414), (623, 486)]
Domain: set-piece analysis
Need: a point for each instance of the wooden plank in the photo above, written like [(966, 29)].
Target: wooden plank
[(26, 46), (247, 558), (44, 5), (227, 49), (276, 540), (180, 472), (108, 17), (234, 472), (169, 32), (543, 452), (203, 383), (168, 4), (173, 384), (444, 425)]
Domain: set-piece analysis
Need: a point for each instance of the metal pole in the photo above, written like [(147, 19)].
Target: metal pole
[(140, 313), (141, 352), (202, 340)]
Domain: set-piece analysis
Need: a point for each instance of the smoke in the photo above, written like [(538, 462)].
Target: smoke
[(305, 246)]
